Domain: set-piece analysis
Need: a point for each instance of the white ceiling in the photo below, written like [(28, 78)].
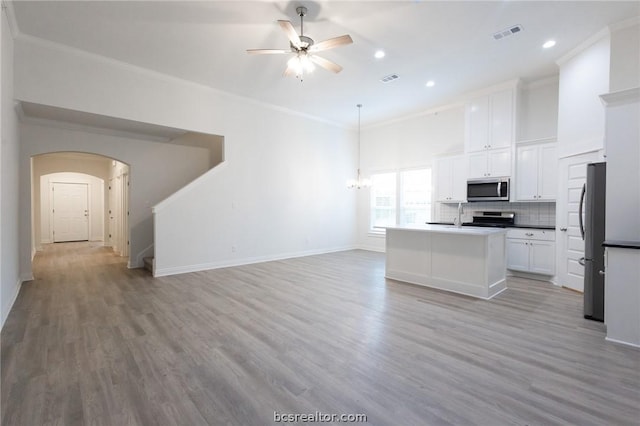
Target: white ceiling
[(449, 42)]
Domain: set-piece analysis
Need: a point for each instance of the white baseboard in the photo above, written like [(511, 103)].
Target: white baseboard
[(163, 272), (371, 248), (621, 342), (7, 309)]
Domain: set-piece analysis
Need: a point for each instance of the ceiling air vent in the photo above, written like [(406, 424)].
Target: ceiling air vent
[(389, 78), (507, 32)]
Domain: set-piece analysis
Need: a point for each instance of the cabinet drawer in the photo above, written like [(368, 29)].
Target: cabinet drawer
[(532, 234)]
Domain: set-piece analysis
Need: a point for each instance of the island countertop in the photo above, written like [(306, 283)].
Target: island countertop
[(450, 229)]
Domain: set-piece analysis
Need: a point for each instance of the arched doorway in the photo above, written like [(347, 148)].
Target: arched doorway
[(80, 197)]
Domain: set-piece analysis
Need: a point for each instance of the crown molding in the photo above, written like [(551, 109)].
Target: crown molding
[(621, 97), (27, 38), (600, 35)]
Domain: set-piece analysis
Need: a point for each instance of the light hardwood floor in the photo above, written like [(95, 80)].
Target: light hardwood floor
[(90, 342)]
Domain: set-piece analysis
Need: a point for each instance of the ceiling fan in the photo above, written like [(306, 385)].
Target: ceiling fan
[(305, 49)]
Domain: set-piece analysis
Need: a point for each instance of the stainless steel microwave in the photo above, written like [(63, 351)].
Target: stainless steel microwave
[(488, 189)]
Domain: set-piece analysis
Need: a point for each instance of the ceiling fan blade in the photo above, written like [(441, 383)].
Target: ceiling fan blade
[(331, 43), (267, 51), (291, 33), (325, 63)]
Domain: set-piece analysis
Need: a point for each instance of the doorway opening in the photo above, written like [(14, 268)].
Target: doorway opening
[(80, 197)]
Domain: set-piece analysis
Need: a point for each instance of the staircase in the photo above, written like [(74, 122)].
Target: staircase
[(148, 264)]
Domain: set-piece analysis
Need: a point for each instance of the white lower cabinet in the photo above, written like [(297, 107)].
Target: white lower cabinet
[(531, 250)]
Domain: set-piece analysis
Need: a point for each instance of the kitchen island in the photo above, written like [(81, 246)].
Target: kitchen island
[(467, 260)]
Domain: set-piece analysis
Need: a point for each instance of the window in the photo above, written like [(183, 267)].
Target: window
[(383, 200), (415, 197), (400, 198)]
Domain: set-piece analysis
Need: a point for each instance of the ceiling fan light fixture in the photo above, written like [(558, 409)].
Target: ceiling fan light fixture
[(301, 64)]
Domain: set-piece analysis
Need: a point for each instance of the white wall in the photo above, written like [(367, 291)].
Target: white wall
[(623, 135), (157, 170), (284, 172), (584, 76), (282, 194), (9, 161)]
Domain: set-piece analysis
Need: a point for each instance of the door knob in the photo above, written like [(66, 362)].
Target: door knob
[(601, 272), (563, 229)]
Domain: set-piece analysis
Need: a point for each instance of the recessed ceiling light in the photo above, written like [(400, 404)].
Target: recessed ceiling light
[(549, 44), (430, 83), (379, 54)]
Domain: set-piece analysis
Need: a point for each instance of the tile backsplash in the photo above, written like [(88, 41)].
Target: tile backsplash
[(543, 214)]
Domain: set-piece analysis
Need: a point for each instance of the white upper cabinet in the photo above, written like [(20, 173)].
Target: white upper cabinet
[(477, 135), (490, 121), (452, 179), (502, 117), (536, 172), (490, 163)]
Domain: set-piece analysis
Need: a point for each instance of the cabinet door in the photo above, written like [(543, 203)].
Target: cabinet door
[(444, 179), (542, 257), (477, 165), (499, 162), (527, 173), (477, 134), (459, 179), (501, 130), (548, 172), (517, 254)]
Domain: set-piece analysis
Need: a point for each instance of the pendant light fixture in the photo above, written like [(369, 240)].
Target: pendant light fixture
[(359, 182)]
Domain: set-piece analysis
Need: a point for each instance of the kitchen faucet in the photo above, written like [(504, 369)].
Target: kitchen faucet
[(460, 212)]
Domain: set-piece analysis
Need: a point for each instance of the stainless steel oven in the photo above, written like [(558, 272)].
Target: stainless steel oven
[(488, 189)]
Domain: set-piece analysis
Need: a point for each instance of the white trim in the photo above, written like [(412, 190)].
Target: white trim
[(545, 81), (597, 148), (621, 342), (603, 33), (621, 97), (162, 272), (7, 309), (550, 139), (187, 188), (624, 24), (371, 248)]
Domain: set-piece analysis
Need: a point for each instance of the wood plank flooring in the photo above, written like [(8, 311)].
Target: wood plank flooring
[(90, 342)]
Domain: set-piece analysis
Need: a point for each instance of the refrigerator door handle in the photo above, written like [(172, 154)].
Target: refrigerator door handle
[(581, 208)]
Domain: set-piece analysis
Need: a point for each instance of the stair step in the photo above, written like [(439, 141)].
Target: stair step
[(148, 264)]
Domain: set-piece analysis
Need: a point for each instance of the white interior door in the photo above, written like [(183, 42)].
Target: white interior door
[(573, 175), (70, 212)]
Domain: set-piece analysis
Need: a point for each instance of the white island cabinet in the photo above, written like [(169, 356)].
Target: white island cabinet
[(465, 260)]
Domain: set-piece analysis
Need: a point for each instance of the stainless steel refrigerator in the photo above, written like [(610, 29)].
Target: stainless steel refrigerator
[(592, 206)]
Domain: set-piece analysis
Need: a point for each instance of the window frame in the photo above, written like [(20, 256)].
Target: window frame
[(399, 204)]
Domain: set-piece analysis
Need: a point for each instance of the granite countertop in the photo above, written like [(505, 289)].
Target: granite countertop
[(622, 244)]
